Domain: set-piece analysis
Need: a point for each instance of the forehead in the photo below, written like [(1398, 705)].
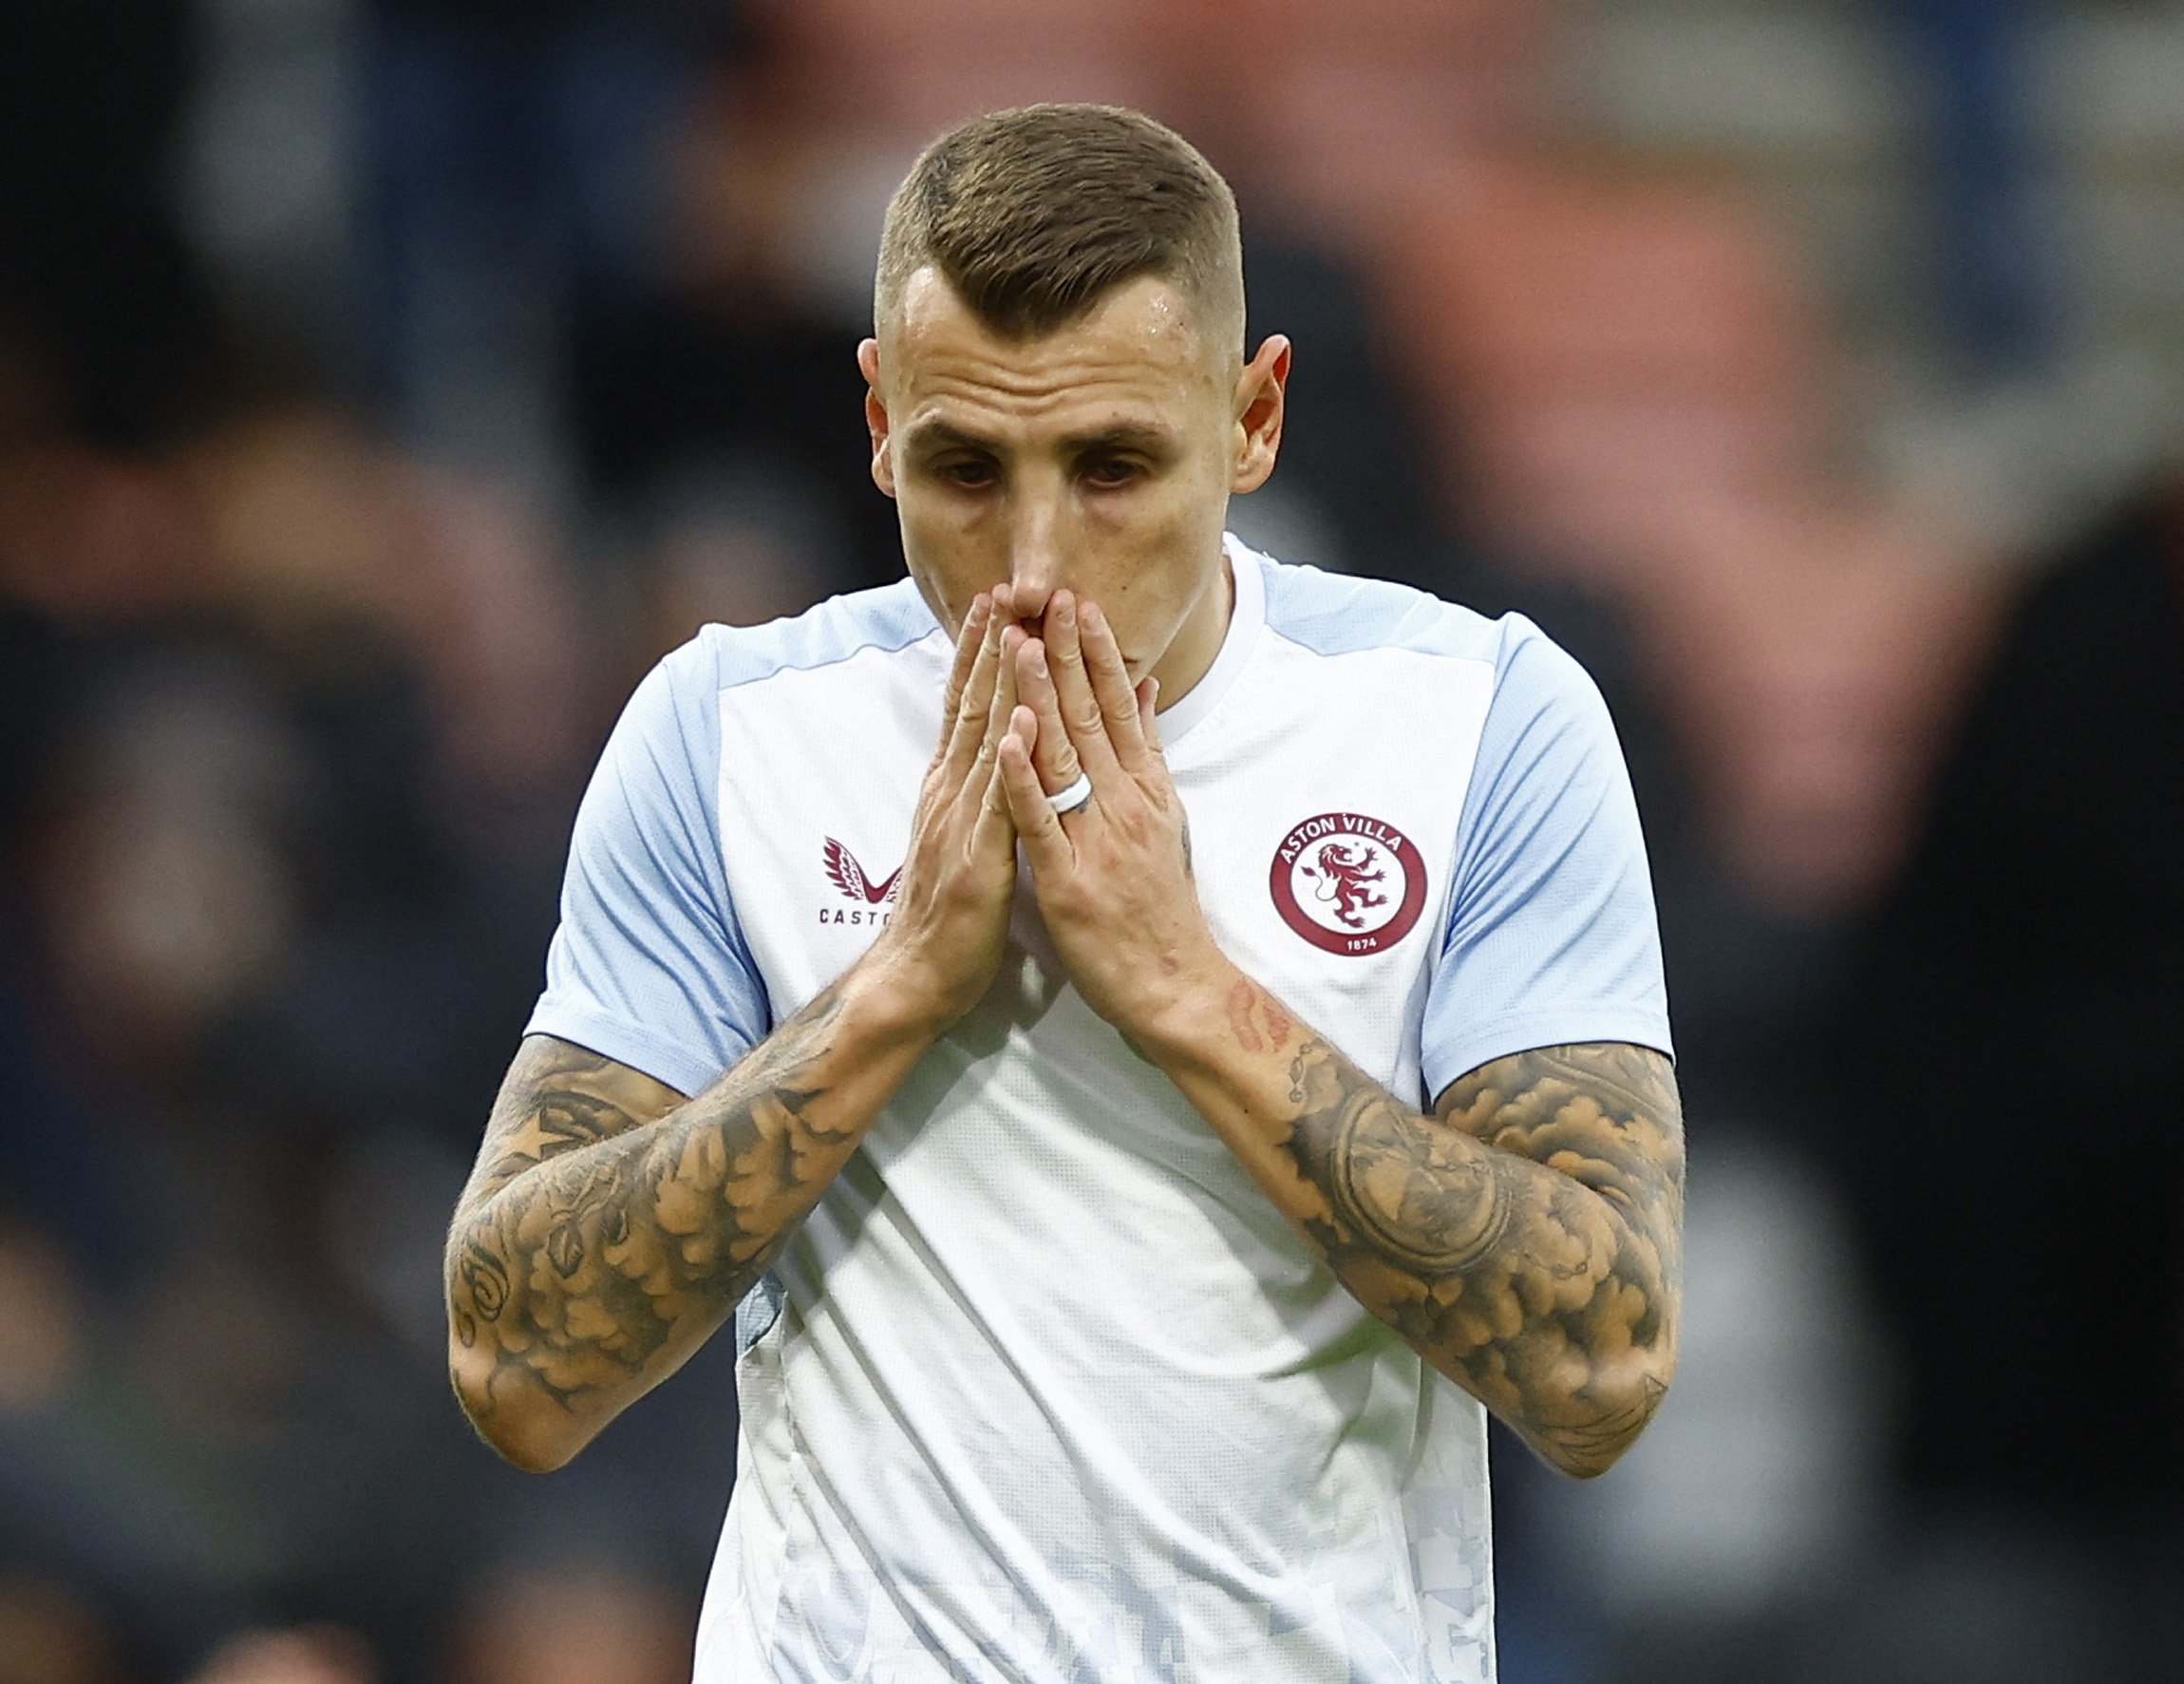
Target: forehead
[(1139, 348)]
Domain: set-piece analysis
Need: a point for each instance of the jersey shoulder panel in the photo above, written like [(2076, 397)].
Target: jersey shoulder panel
[(653, 964), (1333, 614), (888, 618), (720, 658), (1552, 936)]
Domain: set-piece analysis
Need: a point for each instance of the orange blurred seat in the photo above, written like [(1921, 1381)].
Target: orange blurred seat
[(1590, 349), (1628, 385), (908, 69), (1329, 104)]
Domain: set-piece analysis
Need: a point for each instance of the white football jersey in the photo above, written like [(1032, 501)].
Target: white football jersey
[(1045, 1389)]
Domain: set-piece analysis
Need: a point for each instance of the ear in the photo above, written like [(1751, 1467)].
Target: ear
[(875, 420), (1261, 396)]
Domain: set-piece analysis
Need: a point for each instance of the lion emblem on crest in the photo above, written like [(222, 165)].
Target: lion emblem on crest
[(1345, 878)]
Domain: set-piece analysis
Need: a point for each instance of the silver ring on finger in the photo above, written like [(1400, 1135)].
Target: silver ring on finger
[(1078, 795)]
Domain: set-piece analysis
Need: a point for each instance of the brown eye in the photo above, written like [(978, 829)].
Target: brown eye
[(968, 476), (1111, 471)]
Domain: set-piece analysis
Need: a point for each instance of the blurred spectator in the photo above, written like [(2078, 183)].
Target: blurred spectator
[(576, 1626), (1996, 295), (2020, 1004), (99, 303), (51, 1635), (306, 1654), (264, 172), (736, 386), (2006, 1066), (514, 192), (1354, 493), (41, 1323), (740, 545)]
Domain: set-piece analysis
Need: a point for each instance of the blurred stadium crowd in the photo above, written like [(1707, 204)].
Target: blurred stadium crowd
[(384, 384)]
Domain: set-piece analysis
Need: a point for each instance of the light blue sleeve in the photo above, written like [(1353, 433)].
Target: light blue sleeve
[(1552, 938), (648, 967)]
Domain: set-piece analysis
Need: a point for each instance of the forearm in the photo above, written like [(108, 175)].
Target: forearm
[(1546, 1291), (579, 1280)]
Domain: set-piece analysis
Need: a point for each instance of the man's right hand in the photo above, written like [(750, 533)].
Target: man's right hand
[(940, 950), (611, 1225)]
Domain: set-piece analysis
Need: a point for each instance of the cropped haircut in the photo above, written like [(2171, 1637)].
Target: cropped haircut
[(1032, 215)]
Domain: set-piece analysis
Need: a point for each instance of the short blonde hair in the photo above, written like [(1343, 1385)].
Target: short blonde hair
[(1032, 215)]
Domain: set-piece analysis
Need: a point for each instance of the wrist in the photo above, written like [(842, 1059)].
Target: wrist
[(1175, 1019), (898, 999)]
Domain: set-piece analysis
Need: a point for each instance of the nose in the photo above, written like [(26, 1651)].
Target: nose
[(1034, 556)]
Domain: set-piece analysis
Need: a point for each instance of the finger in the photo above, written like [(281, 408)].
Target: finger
[(970, 638), (1003, 705), (968, 726), (1078, 708), (1046, 843), (993, 831), (1000, 706), (1052, 753), (1112, 689), (1148, 711), (1023, 727)]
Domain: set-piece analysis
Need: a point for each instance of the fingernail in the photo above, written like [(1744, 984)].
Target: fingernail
[(1065, 611)]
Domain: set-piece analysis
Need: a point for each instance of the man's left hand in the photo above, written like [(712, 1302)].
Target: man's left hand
[(1113, 877), (1525, 1240)]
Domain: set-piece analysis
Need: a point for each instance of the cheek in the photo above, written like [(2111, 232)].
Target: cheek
[(947, 555), (1173, 519), (1153, 578)]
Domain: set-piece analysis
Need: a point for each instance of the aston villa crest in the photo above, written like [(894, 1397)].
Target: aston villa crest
[(1348, 883)]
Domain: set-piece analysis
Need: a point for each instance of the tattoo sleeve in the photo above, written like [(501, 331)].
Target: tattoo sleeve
[(1525, 1238), (611, 1226)]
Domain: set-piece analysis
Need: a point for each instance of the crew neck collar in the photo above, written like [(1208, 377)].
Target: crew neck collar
[(1247, 614)]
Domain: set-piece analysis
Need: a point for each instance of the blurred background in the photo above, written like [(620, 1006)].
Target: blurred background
[(384, 384)]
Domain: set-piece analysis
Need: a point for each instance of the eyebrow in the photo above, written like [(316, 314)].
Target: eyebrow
[(928, 436)]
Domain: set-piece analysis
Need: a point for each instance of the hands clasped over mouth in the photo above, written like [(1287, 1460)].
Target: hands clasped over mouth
[(1032, 710)]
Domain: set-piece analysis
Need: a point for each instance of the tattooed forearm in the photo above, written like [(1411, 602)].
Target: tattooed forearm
[(609, 1229), (559, 1098), (1542, 1272), (1525, 1238)]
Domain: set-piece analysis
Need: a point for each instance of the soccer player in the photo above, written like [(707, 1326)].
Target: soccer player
[(1111, 1302)]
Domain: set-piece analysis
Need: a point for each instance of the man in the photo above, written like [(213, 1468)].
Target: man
[(1099, 1268)]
